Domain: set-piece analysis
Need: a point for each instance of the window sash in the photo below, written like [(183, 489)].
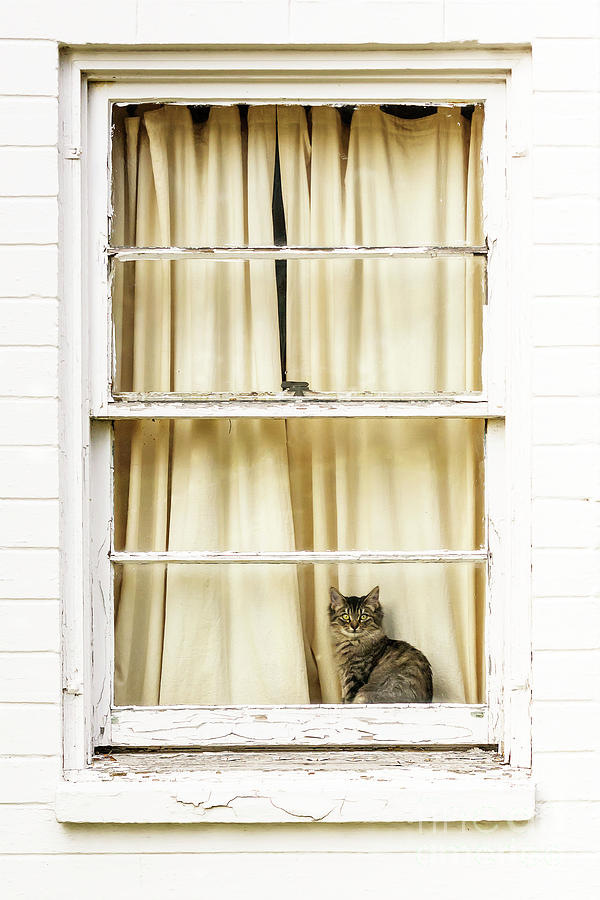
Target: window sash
[(288, 252), (317, 725), (431, 92), (135, 726)]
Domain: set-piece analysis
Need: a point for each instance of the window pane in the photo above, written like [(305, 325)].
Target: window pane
[(381, 325), (258, 175), (252, 485), (260, 634)]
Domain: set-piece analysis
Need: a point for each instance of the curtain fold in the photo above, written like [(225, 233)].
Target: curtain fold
[(196, 634), (388, 326), (254, 633)]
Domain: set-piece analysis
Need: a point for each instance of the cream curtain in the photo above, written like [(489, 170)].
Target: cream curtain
[(409, 325), (196, 634), (258, 634)]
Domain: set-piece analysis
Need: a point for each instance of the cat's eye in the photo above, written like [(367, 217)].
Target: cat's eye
[(345, 617), (364, 617)]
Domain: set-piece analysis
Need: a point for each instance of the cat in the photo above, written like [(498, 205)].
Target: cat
[(372, 667)]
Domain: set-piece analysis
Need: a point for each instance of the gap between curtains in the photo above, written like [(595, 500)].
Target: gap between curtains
[(259, 634)]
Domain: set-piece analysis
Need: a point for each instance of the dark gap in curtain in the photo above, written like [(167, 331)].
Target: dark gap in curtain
[(308, 114), (199, 114), (138, 109), (346, 113), (243, 114), (408, 112), (416, 112), (280, 238)]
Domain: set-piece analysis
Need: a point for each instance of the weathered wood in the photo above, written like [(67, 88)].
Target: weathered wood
[(300, 726), (169, 407), (298, 556), (74, 430), (428, 251), (496, 601), (341, 79), (385, 786), (518, 242), (413, 398), (155, 763), (101, 482)]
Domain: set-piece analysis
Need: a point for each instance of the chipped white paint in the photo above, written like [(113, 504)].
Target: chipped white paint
[(483, 79), (460, 860), (518, 538), (255, 787), (283, 406), (429, 251), (292, 407), (298, 556), (300, 726), (495, 523), (74, 443), (425, 400), (101, 484)]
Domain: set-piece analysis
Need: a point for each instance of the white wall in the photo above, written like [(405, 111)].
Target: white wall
[(552, 856)]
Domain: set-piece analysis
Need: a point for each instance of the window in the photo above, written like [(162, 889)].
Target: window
[(296, 380)]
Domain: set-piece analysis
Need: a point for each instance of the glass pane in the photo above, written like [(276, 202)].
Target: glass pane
[(252, 485), (380, 325), (261, 634), (308, 176)]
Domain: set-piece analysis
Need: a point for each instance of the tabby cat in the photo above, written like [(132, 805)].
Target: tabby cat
[(372, 667)]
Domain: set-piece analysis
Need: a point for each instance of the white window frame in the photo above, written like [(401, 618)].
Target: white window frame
[(90, 82)]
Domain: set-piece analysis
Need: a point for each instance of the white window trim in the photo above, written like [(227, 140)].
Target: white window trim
[(271, 75)]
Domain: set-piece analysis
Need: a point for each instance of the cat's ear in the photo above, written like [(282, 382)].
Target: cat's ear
[(372, 598), (336, 599)]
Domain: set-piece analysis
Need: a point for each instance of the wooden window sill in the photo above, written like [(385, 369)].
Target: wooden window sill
[(294, 786)]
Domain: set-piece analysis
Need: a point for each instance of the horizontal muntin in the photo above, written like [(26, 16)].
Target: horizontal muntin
[(289, 396), (181, 406), (299, 556), (427, 251)]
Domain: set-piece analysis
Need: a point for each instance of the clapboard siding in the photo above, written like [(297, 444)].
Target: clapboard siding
[(161, 861)]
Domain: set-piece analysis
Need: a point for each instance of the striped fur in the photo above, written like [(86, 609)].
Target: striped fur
[(372, 667)]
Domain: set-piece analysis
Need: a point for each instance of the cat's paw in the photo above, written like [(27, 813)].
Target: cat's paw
[(361, 696)]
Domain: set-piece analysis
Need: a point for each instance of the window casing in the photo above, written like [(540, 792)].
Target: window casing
[(322, 726)]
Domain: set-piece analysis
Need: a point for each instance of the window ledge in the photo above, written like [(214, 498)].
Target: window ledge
[(292, 786)]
